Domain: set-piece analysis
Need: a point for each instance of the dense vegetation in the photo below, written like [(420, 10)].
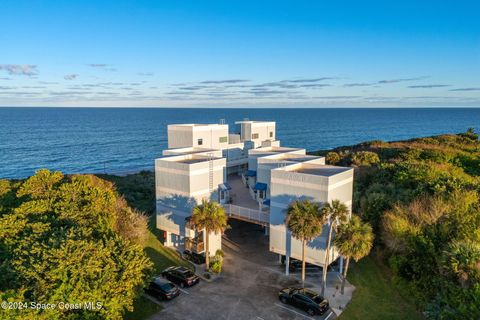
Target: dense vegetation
[(69, 239), (421, 197)]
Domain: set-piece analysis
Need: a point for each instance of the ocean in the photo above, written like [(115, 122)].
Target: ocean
[(120, 141)]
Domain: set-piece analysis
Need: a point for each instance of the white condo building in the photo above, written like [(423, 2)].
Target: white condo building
[(251, 175)]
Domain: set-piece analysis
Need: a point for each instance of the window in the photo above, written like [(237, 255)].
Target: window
[(271, 134), (200, 142), (223, 139), (254, 135), (261, 194)]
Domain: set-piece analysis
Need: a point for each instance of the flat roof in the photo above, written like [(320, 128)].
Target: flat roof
[(190, 150), (197, 124), (320, 170), (253, 121), (195, 160)]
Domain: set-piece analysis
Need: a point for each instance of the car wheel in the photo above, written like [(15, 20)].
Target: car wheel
[(311, 312), (283, 300)]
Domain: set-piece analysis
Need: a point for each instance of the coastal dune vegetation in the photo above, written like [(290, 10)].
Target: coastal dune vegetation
[(421, 197)]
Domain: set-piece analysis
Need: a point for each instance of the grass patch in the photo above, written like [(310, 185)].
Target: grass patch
[(376, 295), (142, 309)]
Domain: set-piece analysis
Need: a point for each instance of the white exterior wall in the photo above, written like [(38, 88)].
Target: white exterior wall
[(287, 186), (180, 187), (181, 136)]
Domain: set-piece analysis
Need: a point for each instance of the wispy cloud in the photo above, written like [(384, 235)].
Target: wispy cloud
[(428, 86), (402, 80), (146, 74), (466, 89), (223, 81), (20, 69), (103, 66), (358, 84), (97, 65), (309, 80), (71, 76)]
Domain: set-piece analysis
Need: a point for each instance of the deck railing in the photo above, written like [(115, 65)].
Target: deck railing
[(247, 214)]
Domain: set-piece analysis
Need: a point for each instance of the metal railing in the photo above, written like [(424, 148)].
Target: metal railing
[(247, 214)]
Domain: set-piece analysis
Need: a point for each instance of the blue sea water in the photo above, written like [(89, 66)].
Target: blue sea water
[(97, 140)]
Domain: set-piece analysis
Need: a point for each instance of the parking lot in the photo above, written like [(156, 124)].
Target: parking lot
[(247, 289)]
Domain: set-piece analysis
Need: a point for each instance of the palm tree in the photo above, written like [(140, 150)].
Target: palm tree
[(336, 213), (211, 217), (354, 239), (303, 222)]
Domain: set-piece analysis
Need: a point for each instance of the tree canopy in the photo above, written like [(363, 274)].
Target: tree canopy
[(69, 239)]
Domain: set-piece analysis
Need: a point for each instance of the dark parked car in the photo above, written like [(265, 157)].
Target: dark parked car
[(296, 265), (162, 289), (194, 257), (181, 276), (304, 299)]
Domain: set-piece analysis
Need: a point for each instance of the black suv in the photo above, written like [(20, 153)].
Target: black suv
[(304, 299), (194, 257), (181, 276), (162, 289)]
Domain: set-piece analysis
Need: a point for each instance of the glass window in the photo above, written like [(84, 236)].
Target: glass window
[(200, 142), (254, 135), (223, 139), (271, 134)]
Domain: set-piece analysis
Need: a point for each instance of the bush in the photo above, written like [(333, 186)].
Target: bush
[(365, 158), (217, 262), (333, 158)]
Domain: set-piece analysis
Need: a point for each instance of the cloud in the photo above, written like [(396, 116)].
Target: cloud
[(47, 82), (465, 89), (314, 85), (20, 69), (337, 97), (146, 74), (401, 80), (358, 84), (309, 80), (5, 78), (71, 76), (428, 86), (223, 81), (103, 66)]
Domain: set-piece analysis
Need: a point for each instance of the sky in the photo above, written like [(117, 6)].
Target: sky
[(240, 53)]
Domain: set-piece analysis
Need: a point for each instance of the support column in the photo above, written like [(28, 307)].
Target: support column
[(287, 264), (280, 258), (168, 239), (266, 230), (340, 265)]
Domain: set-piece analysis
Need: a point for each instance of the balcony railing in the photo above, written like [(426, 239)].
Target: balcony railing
[(247, 214), (194, 245)]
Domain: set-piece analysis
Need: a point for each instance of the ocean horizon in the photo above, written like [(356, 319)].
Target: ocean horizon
[(126, 140)]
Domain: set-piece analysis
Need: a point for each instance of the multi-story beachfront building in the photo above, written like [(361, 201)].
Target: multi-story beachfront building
[(251, 175)]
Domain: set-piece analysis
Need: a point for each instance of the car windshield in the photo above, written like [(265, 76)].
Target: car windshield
[(318, 299), (188, 273), (312, 295), (167, 286)]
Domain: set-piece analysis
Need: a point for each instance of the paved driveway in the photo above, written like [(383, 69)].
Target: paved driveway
[(247, 288)]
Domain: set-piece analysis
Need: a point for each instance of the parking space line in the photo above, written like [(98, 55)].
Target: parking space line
[(300, 314), (329, 315), (152, 299), (184, 291)]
